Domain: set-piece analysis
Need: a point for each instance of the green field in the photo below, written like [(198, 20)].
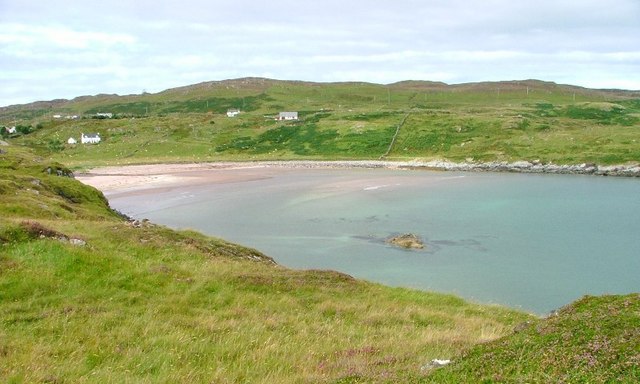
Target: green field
[(505, 121)]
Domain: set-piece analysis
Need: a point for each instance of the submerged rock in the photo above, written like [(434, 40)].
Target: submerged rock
[(407, 240)]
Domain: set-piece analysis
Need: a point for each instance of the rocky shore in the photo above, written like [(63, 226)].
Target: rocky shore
[(537, 167), (632, 170)]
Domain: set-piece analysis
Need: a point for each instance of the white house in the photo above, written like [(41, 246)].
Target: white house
[(104, 115), (287, 116), (57, 116), (233, 112), (11, 130), (91, 138), (72, 141)]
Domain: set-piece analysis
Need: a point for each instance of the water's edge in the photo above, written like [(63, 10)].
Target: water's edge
[(624, 170)]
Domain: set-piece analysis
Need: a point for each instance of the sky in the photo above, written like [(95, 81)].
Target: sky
[(62, 49)]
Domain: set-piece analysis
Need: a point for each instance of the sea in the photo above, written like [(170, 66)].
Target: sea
[(533, 242)]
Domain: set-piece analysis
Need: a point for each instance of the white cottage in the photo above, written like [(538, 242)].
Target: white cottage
[(287, 116), (233, 112), (91, 138), (72, 141)]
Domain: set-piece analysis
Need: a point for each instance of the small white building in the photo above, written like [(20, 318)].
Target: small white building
[(72, 141), (11, 130), (57, 116), (287, 116), (104, 115), (233, 112), (91, 138)]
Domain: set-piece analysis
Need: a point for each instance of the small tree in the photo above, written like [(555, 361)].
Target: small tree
[(24, 129)]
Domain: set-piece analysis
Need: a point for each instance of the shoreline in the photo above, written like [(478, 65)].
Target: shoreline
[(131, 178)]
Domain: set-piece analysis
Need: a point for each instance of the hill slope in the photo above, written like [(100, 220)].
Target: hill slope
[(594, 340), (478, 122)]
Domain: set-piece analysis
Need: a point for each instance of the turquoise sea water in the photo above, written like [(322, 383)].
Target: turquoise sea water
[(535, 242)]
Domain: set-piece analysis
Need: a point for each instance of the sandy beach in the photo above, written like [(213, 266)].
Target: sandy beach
[(141, 178), (138, 178), (132, 178)]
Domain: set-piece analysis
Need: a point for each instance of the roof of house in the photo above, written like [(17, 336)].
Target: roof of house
[(91, 135), (288, 114)]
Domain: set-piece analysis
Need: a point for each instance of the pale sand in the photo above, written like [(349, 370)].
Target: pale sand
[(140, 178)]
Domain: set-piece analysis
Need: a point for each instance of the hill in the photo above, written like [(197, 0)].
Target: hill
[(527, 120)]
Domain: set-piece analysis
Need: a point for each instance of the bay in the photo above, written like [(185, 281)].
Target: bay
[(534, 242)]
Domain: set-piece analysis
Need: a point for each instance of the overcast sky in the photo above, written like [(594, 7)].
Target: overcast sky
[(62, 49)]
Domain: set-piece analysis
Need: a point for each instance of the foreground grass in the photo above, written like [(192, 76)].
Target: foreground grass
[(86, 296), (594, 340)]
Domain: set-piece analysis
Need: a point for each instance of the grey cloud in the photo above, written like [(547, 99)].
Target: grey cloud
[(128, 46)]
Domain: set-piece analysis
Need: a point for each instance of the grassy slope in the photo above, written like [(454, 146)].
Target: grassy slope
[(148, 304), (594, 340), (510, 121)]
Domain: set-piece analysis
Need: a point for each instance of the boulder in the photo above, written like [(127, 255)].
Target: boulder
[(407, 240)]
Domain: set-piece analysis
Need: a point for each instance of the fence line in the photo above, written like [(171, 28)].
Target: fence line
[(393, 140)]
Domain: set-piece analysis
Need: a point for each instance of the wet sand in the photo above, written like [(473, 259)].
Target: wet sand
[(137, 179), (144, 178)]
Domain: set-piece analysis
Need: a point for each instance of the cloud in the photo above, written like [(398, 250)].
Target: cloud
[(144, 44), (59, 37)]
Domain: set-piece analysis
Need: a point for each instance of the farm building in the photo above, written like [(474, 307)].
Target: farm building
[(287, 116), (91, 138), (233, 112)]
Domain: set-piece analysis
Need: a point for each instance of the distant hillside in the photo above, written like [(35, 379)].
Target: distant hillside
[(260, 85), (509, 121)]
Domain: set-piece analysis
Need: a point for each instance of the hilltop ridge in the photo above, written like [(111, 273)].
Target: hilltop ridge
[(261, 84)]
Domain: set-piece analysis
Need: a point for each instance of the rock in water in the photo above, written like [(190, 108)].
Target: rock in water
[(407, 240)]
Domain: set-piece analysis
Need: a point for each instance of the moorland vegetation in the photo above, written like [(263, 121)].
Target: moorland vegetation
[(504, 121)]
